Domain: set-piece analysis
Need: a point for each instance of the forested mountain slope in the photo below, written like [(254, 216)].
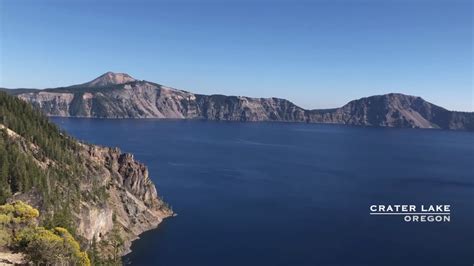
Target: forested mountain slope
[(97, 193)]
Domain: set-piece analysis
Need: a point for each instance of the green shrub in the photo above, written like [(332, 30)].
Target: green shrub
[(56, 247), (18, 230)]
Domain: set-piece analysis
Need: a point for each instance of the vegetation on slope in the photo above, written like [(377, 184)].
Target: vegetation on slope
[(19, 232), (40, 161), (52, 171)]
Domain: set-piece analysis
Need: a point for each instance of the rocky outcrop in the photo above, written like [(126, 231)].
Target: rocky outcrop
[(120, 96), (132, 200)]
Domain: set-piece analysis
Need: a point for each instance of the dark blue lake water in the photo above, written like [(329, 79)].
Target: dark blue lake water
[(296, 194)]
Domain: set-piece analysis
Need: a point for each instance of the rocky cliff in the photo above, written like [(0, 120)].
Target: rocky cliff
[(132, 200), (121, 96), (394, 110), (115, 191)]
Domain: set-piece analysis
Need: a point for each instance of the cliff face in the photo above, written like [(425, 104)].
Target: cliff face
[(142, 99), (131, 196), (395, 110), (130, 200)]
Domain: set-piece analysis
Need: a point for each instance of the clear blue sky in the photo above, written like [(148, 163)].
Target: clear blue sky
[(315, 53)]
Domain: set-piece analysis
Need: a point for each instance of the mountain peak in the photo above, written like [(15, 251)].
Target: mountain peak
[(110, 78)]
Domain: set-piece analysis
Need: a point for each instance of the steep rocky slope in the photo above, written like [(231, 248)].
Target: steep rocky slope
[(132, 200), (395, 110), (98, 192), (120, 96)]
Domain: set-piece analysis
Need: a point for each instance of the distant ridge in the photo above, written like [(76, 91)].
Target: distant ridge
[(118, 95)]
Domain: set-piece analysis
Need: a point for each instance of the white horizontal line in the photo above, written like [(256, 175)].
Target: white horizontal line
[(410, 213)]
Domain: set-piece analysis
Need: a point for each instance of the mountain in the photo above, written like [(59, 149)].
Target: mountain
[(121, 96), (99, 193), (395, 110), (107, 79)]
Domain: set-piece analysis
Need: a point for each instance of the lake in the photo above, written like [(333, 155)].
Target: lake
[(296, 194)]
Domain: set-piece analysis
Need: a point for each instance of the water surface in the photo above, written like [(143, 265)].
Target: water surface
[(296, 194)]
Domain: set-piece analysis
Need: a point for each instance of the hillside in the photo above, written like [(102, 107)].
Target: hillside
[(395, 110), (118, 95), (97, 193)]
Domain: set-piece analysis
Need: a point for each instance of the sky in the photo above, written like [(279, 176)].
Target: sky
[(317, 54)]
